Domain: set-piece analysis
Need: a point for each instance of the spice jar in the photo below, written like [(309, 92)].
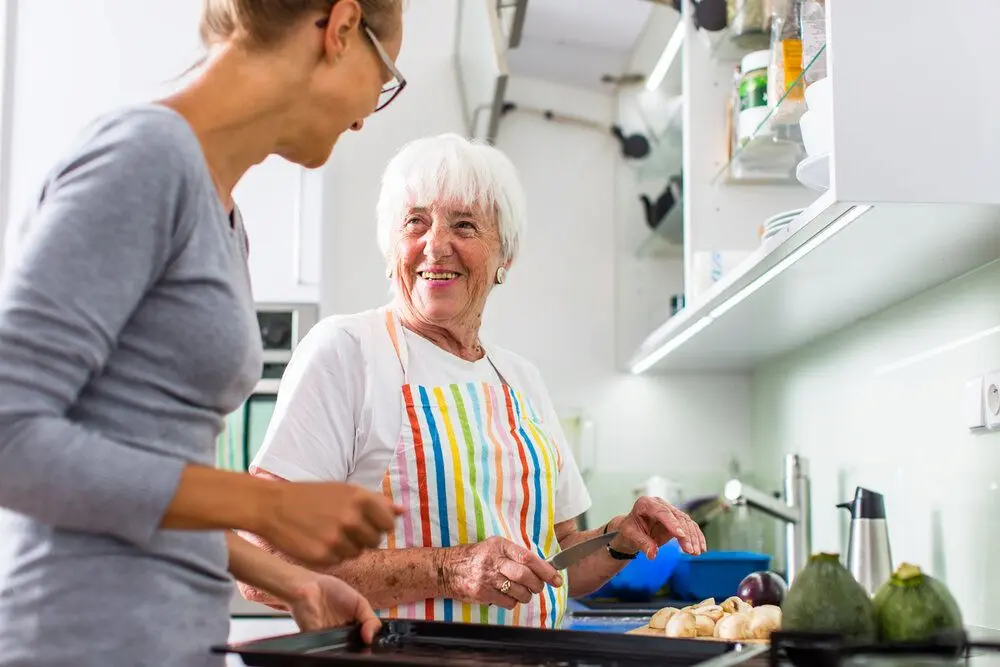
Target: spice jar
[(749, 22), (785, 96), (752, 94)]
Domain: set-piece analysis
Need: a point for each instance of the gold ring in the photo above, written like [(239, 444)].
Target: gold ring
[(505, 586)]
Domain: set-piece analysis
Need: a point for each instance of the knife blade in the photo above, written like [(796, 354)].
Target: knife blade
[(567, 557)]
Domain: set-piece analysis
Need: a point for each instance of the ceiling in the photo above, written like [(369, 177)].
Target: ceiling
[(576, 42)]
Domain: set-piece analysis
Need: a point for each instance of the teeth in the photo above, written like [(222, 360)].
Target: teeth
[(445, 275)]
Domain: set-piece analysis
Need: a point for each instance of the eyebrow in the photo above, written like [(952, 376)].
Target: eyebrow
[(461, 213)]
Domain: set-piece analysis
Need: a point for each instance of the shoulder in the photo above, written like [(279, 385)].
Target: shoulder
[(337, 337), (136, 158), (151, 136)]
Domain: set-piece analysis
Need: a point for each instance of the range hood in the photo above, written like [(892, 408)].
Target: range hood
[(485, 30)]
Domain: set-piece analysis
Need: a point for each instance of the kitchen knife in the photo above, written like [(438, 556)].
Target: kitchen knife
[(567, 557)]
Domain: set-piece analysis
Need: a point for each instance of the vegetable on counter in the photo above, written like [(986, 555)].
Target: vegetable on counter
[(825, 597), (734, 620), (914, 606), (760, 588)]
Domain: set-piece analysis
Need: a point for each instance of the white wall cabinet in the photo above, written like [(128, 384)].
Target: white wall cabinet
[(73, 60), (905, 198), (281, 205)]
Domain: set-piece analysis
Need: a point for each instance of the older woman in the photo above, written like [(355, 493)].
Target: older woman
[(409, 400)]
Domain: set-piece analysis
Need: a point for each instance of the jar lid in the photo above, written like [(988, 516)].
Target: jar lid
[(755, 60)]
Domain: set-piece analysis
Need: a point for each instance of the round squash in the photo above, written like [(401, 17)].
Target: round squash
[(825, 597), (914, 606)]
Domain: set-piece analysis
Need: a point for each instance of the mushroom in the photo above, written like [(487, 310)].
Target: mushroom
[(735, 604), (733, 627), (660, 618), (705, 625), (682, 624), (764, 620), (729, 606), (714, 612)]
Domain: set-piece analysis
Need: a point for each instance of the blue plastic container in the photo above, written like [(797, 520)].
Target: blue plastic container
[(714, 574), (641, 578)]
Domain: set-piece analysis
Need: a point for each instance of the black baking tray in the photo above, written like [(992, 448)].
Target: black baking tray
[(418, 643)]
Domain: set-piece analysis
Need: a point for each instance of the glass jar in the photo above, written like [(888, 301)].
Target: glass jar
[(749, 22), (813, 22), (785, 88), (752, 89)]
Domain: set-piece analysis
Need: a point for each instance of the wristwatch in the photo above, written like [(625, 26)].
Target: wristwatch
[(614, 553)]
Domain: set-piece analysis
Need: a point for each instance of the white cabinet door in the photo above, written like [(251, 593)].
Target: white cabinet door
[(73, 60), (281, 204)]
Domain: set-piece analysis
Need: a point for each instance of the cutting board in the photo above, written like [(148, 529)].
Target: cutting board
[(647, 631)]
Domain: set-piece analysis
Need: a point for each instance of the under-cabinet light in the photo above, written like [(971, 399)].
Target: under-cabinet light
[(675, 342), (666, 58), (659, 353), (828, 232)]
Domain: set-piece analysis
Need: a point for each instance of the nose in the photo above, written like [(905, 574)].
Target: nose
[(437, 243), (357, 125)]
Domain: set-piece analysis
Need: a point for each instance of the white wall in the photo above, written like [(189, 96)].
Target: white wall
[(74, 60), (559, 306), (353, 274), (880, 405)]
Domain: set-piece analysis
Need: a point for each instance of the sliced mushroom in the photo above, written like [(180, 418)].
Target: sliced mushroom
[(733, 627), (712, 611), (660, 618), (682, 624), (705, 625)]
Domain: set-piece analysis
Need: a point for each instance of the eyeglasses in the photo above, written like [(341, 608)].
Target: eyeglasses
[(398, 82)]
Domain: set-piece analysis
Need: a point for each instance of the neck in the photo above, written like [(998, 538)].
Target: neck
[(237, 114), (459, 338)]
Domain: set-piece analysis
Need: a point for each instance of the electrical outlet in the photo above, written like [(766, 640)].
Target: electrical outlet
[(974, 405), (991, 400)]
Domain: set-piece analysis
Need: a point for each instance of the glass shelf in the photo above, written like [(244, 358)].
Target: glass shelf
[(774, 148), (657, 246), (727, 45)]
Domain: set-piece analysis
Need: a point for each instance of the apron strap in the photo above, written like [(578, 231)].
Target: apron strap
[(395, 329), (503, 380)]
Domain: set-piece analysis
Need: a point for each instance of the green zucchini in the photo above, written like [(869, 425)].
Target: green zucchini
[(825, 597), (914, 606)]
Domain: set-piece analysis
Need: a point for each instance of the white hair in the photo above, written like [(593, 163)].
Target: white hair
[(451, 168)]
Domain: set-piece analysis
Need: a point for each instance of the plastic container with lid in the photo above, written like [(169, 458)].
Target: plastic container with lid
[(752, 94)]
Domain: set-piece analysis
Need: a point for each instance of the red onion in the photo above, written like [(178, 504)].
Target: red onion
[(762, 588)]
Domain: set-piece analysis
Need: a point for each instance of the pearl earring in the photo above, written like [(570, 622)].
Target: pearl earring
[(501, 274)]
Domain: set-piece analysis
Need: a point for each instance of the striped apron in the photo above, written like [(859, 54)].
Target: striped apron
[(473, 461)]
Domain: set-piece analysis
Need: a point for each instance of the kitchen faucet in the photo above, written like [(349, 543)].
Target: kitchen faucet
[(793, 510)]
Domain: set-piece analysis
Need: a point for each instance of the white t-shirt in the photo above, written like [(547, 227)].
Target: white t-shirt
[(338, 414)]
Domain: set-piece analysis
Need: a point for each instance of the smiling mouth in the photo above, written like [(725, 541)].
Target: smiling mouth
[(437, 275)]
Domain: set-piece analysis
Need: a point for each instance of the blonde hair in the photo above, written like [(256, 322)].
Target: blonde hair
[(450, 167), (263, 22)]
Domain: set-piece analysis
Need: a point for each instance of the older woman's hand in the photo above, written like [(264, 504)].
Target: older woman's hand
[(496, 571), (654, 522)]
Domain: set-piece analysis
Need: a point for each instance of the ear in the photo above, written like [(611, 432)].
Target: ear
[(342, 26)]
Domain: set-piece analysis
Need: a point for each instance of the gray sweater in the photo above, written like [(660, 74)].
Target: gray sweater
[(127, 332)]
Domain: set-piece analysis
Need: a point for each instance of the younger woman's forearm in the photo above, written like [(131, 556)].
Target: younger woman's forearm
[(273, 576), (211, 499)]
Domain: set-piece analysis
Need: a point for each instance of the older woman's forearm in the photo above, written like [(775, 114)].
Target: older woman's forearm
[(386, 577), (593, 571)]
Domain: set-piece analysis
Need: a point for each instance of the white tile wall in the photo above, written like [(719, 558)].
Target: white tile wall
[(880, 405)]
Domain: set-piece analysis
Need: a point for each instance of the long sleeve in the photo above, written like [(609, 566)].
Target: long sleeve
[(103, 233)]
